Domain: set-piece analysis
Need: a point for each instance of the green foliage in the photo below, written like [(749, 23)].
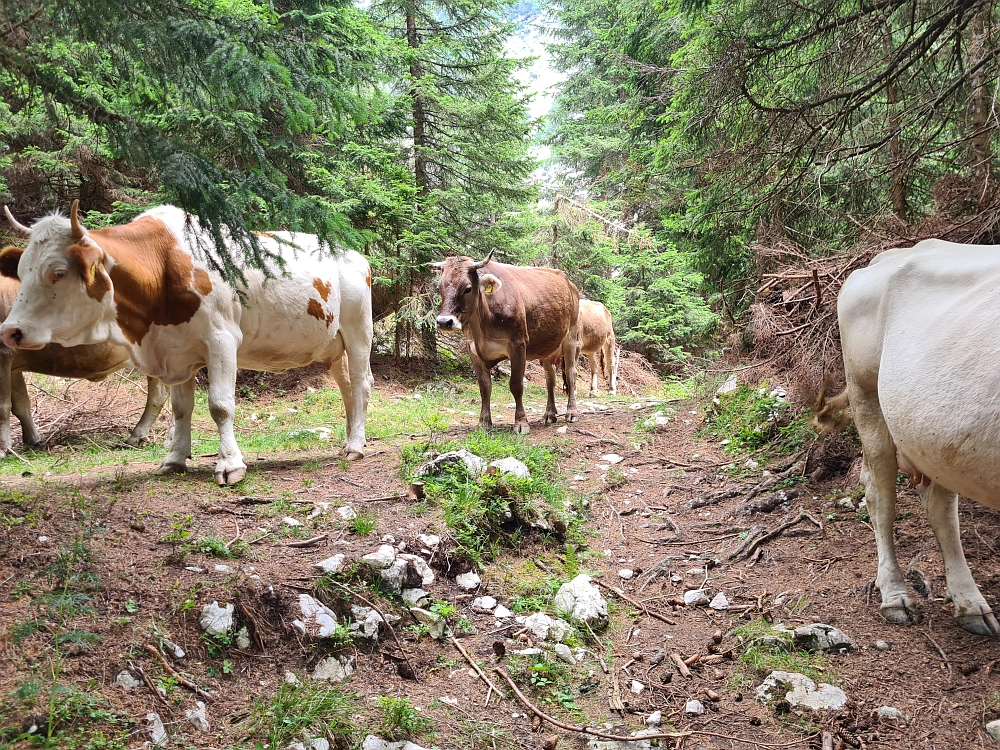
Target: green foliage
[(753, 418), (766, 650), (298, 711), (363, 524), (398, 719)]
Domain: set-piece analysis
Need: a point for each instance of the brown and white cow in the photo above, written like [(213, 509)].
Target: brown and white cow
[(920, 330), (515, 313), (142, 286), (597, 342)]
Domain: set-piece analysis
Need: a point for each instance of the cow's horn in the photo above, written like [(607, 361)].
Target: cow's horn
[(484, 261), (76, 228), (436, 266), (18, 226)]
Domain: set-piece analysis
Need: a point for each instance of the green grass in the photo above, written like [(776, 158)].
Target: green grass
[(299, 711), (750, 419), (398, 719), (363, 524), (758, 660)]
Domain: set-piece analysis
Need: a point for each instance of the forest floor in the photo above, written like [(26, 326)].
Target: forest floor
[(99, 559)]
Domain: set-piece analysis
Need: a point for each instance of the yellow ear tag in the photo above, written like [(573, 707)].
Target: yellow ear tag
[(93, 271), (489, 287)]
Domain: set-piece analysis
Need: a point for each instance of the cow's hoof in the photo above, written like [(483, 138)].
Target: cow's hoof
[(171, 468), (979, 624), (134, 442), (572, 416), (522, 428), (901, 614), (551, 418), (352, 454), (230, 476)]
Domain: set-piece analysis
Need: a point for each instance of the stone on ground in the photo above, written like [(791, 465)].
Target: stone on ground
[(423, 569), (330, 564), (468, 581), (800, 692), (157, 732), (890, 713), (695, 598), (334, 668), (637, 744), (719, 602), (473, 463), (564, 653), (694, 707), (501, 612), (512, 466), (820, 637), (347, 512), (198, 717), (377, 743), (993, 730), (484, 604), (434, 622), (366, 621), (216, 620), (126, 681), (415, 597), (548, 628), (316, 620), (581, 600), (381, 558)]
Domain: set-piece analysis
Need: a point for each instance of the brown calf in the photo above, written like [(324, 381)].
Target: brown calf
[(515, 313)]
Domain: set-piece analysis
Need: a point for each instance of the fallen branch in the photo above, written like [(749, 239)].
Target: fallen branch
[(478, 669), (641, 607), (149, 682), (749, 549), (676, 659), (306, 542), (388, 627), (181, 679), (940, 651)]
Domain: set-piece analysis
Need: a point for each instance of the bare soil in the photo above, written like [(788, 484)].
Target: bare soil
[(937, 674)]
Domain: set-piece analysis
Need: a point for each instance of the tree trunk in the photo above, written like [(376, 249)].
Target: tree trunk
[(419, 118), (980, 125), (897, 167)]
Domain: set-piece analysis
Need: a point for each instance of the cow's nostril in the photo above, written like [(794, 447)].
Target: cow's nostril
[(16, 336)]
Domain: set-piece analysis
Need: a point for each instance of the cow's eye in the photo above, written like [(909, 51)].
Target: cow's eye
[(467, 289), (56, 274)]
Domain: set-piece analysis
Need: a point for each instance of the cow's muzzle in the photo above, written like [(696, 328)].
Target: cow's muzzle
[(13, 338), (448, 323)]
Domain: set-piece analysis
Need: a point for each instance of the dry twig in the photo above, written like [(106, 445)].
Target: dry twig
[(181, 679)]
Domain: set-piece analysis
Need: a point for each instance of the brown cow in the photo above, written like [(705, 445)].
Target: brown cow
[(515, 313), (597, 336), (94, 362)]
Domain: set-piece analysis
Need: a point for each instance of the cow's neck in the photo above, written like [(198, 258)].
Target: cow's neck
[(155, 281)]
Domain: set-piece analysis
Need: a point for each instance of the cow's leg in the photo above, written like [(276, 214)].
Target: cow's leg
[(485, 390), (549, 366), (338, 369), (614, 359), (5, 403), (21, 406), (879, 471), (230, 468), (358, 347), (182, 404), (517, 364), (592, 359), (971, 610), (156, 397), (571, 355)]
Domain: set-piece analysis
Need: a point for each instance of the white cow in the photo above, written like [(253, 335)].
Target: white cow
[(143, 286), (920, 329)]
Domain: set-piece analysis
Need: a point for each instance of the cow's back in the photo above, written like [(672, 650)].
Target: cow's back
[(595, 325)]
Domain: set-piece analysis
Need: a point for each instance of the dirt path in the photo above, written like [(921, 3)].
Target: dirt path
[(116, 550)]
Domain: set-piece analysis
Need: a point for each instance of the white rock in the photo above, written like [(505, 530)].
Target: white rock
[(435, 623), (319, 743), (330, 564), (382, 558), (223, 569), (473, 463), (561, 430), (581, 600), (800, 692), (366, 621), (421, 566), (730, 385), (820, 637), (892, 714), (845, 502), (194, 569), (694, 707), (157, 732), (172, 648), (468, 581), (291, 678), (751, 464), (719, 602), (548, 628), (993, 730), (501, 612), (388, 539), (695, 598), (636, 687), (198, 717), (484, 604), (216, 620), (564, 653), (429, 540), (394, 578), (625, 574), (512, 466), (126, 681), (347, 512), (415, 597), (377, 743), (448, 700), (654, 719), (882, 646), (529, 652), (289, 521), (334, 668), (243, 642), (316, 619), (612, 458)]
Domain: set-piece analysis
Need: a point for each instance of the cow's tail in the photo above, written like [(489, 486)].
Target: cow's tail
[(831, 412)]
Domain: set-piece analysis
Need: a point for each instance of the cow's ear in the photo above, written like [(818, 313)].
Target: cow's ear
[(9, 259), (490, 283), (89, 261)]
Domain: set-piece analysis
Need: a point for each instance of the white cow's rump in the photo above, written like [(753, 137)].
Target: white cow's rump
[(142, 286), (920, 329)]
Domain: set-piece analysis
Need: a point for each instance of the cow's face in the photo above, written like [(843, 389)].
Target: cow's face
[(462, 283), (64, 286)]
